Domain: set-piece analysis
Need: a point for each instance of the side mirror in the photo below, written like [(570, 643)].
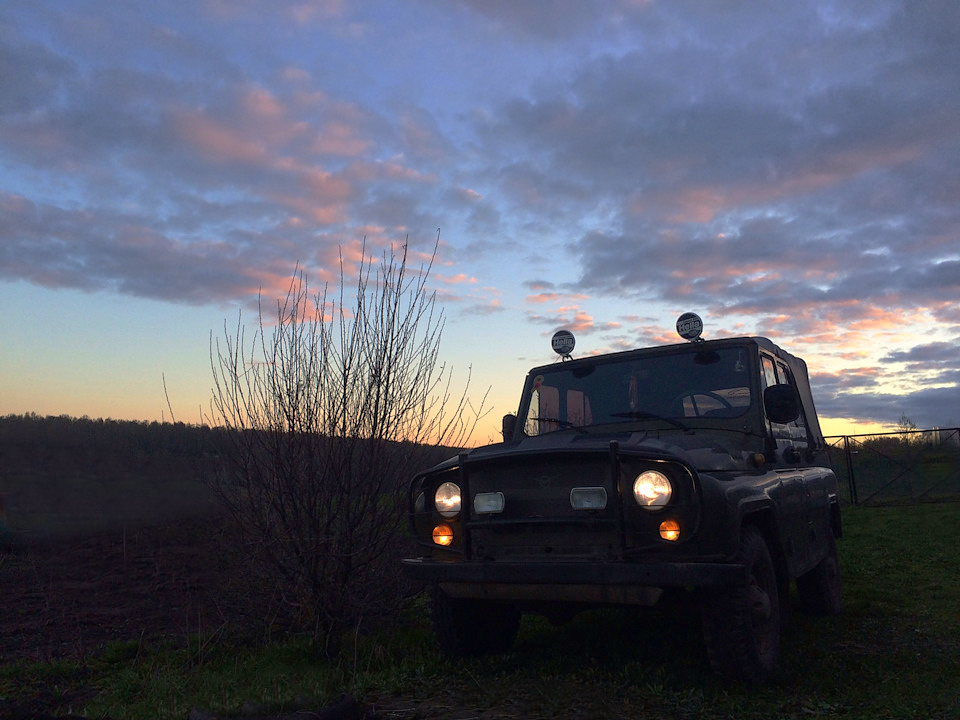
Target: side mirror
[(509, 426), (781, 403)]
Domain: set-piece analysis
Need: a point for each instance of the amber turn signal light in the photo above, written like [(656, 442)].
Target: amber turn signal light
[(669, 530), (443, 535)]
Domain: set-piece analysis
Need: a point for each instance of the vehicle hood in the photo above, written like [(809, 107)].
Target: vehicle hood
[(704, 451)]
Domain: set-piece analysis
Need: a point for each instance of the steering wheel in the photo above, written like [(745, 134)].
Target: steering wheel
[(709, 393)]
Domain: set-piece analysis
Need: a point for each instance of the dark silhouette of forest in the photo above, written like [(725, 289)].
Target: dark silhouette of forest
[(66, 475)]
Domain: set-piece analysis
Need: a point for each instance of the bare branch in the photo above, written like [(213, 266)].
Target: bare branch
[(335, 401)]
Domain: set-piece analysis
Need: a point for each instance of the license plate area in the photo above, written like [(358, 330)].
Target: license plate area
[(545, 541)]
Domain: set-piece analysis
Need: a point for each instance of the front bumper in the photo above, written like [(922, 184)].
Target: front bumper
[(640, 574)]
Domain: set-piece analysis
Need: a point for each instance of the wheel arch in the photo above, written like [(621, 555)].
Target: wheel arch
[(762, 516)]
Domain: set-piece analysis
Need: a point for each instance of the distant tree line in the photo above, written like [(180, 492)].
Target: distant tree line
[(61, 474), (58, 434), (31, 442), (68, 474)]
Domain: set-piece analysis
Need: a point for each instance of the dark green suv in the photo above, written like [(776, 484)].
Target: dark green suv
[(698, 466)]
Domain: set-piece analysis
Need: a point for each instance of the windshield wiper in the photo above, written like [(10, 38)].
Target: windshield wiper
[(742, 431), (643, 415), (562, 423)]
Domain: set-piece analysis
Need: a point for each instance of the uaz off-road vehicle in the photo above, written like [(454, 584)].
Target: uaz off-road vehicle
[(697, 466)]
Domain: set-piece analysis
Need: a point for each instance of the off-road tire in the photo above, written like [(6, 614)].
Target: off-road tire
[(821, 589), (741, 625), (472, 627)]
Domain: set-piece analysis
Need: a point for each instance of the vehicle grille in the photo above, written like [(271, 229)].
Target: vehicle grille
[(538, 520)]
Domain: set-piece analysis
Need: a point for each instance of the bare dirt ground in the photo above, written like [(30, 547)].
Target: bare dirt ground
[(65, 598), (70, 597)]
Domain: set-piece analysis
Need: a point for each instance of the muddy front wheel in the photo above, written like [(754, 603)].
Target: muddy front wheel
[(821, 590), (741, 625)]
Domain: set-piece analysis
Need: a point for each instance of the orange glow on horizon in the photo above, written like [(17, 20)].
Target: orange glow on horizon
[(851, 426)]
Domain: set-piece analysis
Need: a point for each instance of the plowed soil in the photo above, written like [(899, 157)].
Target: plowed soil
[(67, 597)]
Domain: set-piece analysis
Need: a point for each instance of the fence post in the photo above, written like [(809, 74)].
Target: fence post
[(850, 479)]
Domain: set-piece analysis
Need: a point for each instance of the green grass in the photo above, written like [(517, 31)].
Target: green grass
[(895, 653)]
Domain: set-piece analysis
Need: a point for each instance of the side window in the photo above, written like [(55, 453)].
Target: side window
[(531, 427), (768, 374), (578, 408), (544, 403)]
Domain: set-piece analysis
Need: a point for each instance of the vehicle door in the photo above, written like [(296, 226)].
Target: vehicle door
[(816, 511), (791, 500)]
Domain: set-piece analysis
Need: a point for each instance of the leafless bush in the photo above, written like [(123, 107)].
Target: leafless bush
[(336, 403)]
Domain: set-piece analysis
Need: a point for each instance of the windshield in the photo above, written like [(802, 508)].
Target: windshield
[(672, 388)]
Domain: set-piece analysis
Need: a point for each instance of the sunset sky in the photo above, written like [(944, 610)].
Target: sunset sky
[(788, 169)]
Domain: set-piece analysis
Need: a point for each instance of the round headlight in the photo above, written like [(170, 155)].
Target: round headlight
[(652, 489), (447, 499)]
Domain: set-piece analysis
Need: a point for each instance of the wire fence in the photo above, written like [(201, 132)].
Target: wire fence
[(897, 468)]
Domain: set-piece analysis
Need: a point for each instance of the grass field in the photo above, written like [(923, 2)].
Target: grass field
[(895, 653)]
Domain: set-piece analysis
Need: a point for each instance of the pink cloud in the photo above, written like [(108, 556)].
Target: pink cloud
[(845, 330), (370, 171), (426, 257), (469, 195), (874, 318), (257, 137), (543, 297), (263, 104), (397, 171), (446, 296), (486, 301), (322, 184), (487, 307), (342, 139), (546, 297), (579, 321), (457, 279), (220, 142), (703, 203), (854, 355), (582, 322)]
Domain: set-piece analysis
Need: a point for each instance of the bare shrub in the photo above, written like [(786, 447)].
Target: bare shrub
[(335, 402)]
